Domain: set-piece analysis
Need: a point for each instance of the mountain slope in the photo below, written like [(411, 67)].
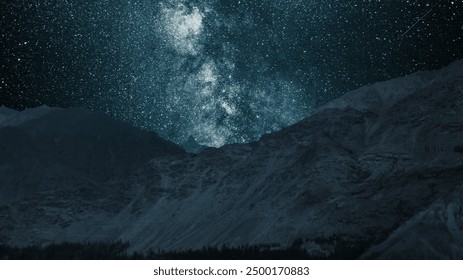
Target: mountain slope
[(44, 148), (358, 168), (434, 232)]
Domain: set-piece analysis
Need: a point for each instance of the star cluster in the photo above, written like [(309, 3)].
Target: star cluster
[(222, 71)]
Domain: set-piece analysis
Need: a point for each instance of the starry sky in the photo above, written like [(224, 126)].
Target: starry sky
[(221, 71)]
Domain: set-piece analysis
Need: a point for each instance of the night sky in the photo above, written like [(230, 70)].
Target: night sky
[(222, 71)]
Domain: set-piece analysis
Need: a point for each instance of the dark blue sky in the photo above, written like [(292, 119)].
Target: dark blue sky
[(221, 71)]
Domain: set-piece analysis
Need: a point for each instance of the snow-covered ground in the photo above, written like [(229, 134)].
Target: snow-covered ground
[(383, 163)]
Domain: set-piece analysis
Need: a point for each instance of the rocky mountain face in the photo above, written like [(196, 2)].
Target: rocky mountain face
[(382, 166)]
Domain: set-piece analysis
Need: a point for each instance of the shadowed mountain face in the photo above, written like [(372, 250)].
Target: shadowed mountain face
[(383, 163), (46, 149)]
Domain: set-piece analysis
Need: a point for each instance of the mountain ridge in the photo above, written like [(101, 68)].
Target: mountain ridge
[(47, 146), (360, 168)]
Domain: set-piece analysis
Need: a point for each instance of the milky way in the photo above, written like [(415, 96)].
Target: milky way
[(204, 93), (219, 71)]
